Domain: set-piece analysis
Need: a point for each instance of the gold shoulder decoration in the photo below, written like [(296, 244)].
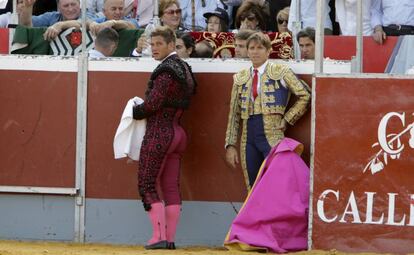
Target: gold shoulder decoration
[(276, 71), (242, 77)]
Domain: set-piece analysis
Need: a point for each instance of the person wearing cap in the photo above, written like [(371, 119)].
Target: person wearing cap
[(193, 11), (217, 21)]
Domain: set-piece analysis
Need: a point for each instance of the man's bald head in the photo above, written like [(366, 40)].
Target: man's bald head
[(114, 9)]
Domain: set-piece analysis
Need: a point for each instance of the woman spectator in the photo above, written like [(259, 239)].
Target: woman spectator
[(252, 14), (170, 16), (282, 20), (217, 21), (184, 45)]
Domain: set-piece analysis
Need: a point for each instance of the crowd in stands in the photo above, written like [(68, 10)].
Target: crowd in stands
[(381, 18)]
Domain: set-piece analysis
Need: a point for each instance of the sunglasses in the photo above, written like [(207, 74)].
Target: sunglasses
[(171, 12), (281, 21)]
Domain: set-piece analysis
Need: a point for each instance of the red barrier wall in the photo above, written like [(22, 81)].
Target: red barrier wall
[(39, 130), (4, 41), (204, 172), (375, 56), (356, 210), (38, 135)]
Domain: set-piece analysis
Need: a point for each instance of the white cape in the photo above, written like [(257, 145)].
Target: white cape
[(130, 133)]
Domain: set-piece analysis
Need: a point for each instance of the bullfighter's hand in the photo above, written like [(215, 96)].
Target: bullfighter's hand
[(231, 156)]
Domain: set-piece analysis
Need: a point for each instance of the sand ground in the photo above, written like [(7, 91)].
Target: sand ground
[(60, 248)]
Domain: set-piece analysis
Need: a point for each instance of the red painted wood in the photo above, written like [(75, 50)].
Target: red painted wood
[(4, 41), (38, 128), (348, 113), (375, 56)]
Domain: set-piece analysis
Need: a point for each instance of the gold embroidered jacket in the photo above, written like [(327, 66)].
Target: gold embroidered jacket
[(276, 85)]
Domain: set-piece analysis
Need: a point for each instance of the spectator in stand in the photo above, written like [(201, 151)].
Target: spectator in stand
[(230, 6), (106, 43), (67, 16), (274, 8), (184, 45), (170, 16), (6, 18), (204, 49), (392, 18), (252, 14), (282, 20), (240, 40), (306, 40), (114, 17), (308, 15), (217, 21), (346, 16), (197, 22)]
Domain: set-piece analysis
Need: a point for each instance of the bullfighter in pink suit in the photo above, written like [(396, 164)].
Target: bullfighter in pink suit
[(170, 88)]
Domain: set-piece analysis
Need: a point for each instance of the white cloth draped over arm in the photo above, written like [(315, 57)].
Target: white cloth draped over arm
[(130, 133)]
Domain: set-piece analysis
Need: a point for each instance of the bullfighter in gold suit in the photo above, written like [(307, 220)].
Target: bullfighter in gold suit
[(259, 100)]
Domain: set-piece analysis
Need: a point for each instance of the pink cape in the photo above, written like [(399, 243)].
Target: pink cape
[(274, 216)]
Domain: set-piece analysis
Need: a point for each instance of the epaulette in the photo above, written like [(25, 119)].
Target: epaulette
[(276, 71), (241, 77)]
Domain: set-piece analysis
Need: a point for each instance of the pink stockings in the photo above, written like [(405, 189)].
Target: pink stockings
[(172, 215), (157, 218), (164, 220)]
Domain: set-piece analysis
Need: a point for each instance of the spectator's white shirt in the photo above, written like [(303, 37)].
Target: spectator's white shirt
[(200, 21), (3, 4), (346, 16), (308, 14), (145, 12), (94, 6), (387, 12), (96, 54), (5, 19)]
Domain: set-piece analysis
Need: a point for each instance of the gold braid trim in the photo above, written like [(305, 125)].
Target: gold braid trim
[(303, 97)]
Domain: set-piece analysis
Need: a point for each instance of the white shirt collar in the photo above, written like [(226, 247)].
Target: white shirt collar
[(261, 68)]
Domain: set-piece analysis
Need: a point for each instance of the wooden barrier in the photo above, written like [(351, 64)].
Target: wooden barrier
[(363, 194)]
